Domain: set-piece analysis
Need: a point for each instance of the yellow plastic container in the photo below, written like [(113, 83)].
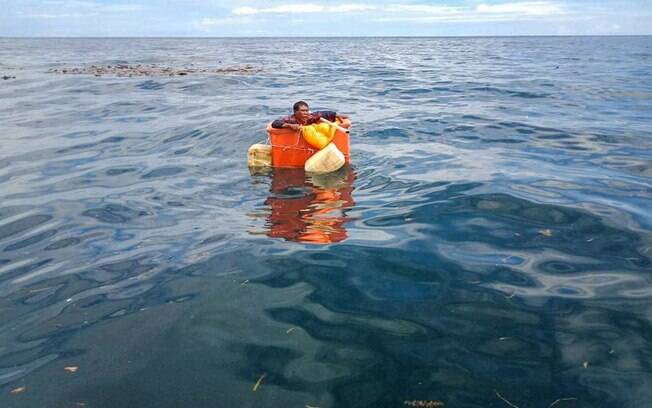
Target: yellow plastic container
[(319, 135)]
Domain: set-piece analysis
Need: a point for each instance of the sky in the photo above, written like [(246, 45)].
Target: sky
[(323, 18)]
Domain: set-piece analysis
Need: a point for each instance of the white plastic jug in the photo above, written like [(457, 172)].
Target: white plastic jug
[(326, 160), (259, 155)]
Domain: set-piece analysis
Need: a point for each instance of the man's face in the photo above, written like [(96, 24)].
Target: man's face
[(302, 114)]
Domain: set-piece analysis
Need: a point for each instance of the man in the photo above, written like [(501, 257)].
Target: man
[(303, 117)]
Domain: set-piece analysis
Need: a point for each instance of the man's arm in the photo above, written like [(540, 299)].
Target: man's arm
[(284, 123), (331, 115), (328, 115)]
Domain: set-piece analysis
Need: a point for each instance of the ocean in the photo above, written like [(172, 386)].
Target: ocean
[(490, 244)]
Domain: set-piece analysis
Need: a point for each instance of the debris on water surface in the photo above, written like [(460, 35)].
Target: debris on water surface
[(561, 400), (18, 390), (151, 70), (260, 380), (546, 232), (505, 400), (424, 403)]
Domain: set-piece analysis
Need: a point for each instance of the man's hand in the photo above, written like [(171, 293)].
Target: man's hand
[(293, 126)]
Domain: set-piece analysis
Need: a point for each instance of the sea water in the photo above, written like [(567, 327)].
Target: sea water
[(489, 246)]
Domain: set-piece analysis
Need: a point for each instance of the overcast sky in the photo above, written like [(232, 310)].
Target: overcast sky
[(218, 18)]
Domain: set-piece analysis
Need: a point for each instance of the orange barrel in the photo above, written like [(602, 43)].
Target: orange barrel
[(290, 150)]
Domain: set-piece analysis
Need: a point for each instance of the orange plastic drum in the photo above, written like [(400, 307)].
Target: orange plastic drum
[(290, 150)]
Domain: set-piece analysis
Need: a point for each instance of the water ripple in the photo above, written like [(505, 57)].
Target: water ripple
[(492, 235)]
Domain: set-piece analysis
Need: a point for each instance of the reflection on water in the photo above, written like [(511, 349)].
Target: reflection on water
[(310, 208)]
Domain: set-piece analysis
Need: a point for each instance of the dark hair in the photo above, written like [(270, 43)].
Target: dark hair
[(299, 104)]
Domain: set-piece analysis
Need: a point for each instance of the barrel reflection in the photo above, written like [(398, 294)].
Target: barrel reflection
[(310, 208)]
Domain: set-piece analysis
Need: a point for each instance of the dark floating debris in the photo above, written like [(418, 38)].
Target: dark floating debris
[(424, 403), (152, 70), (6, 77)]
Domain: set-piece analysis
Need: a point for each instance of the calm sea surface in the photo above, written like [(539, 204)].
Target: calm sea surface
[(490, 245)]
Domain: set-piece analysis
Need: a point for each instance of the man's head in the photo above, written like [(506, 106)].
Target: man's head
[(301, 111)]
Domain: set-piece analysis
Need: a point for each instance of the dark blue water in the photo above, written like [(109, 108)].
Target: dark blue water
[(490, 245)]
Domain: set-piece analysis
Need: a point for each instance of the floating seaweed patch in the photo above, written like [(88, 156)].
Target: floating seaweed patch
[(151, 70)]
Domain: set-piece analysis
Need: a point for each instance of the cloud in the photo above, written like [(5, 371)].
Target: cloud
[(121, 8), (351, 8), (420, 12), (424, 9), (320, 17), (226, 21), (304, 8), (282, 9), (57, 15), (80, 8), (69, 3), (481, 13), (532, 8)]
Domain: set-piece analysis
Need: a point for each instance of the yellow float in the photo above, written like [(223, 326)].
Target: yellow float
[(319, 135)]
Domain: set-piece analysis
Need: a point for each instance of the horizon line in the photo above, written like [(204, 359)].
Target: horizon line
[(321, 36)]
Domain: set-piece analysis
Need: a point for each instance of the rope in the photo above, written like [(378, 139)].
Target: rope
[(288, 147)]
